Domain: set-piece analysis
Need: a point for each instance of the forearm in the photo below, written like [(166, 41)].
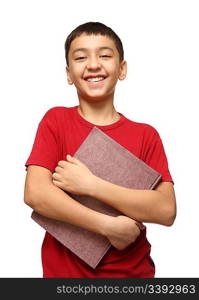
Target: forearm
[(54, 203), (141, 205)]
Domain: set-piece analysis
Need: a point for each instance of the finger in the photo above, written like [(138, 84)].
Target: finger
[(73, 159), (55, 176), (57, 183), (58, 169), (62, 163), (140, 225), (70, 158)]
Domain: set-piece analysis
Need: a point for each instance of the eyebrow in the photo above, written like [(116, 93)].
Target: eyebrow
[(86, 49)]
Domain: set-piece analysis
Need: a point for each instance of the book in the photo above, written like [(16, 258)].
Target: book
[(110, 161)]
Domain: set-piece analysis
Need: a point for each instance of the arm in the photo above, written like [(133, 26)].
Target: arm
[(47, 199), (154, 206)]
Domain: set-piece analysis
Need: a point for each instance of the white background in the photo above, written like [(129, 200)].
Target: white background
[(161, 45)]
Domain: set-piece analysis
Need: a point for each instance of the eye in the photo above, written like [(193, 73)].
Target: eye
[(80, 58), (105, 56)]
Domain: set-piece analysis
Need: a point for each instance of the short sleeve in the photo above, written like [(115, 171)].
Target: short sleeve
[(46, 144), (156, 158)]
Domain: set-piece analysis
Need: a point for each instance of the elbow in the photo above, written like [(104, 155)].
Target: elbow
[(30, 197), (169, 221), (38, 182), (169, 217)]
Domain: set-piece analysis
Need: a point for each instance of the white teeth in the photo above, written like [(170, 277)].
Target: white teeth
[(95, 79)]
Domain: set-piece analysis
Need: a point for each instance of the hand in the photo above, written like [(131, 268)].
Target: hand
[(122, 231), (73, 176)]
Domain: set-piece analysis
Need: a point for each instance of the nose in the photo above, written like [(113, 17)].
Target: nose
[(93, 63)]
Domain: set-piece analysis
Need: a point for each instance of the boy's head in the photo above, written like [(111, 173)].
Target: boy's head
[(94, 28), (94, 56)]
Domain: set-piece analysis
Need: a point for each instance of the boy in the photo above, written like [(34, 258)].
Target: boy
[(95, 62)]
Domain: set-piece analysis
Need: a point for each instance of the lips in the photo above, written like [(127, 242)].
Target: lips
[(96, 78)]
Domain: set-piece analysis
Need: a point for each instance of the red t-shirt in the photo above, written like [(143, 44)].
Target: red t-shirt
[(60, 132)]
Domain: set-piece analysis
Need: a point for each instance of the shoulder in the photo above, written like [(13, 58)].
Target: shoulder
[(56, 110), (143, 129), (56, 113)]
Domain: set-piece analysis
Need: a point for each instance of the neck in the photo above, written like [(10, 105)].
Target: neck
[(98, 113)]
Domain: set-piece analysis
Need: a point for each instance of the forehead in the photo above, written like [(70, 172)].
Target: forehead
[(92, 42)]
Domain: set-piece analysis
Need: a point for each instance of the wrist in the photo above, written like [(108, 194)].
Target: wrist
[(104, 224), (95, 186)]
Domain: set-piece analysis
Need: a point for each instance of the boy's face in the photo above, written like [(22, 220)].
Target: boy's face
[(94, 66)]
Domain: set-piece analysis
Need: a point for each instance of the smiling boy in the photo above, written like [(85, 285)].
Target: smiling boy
[(95, 62)]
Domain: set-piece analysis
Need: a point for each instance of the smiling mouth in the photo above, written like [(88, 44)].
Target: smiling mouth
[(95, 79)]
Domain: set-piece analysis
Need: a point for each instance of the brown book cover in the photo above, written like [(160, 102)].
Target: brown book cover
[(110, 161)]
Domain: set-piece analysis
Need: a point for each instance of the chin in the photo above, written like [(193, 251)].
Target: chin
[(94, 97)]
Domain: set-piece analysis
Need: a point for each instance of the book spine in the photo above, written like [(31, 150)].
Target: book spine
[(156, 182)]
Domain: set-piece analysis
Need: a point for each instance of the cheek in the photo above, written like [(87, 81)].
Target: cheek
[(76, 72), (113, 70), (115, 74)]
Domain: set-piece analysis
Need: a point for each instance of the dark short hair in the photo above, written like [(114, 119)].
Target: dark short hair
[(94, 28)]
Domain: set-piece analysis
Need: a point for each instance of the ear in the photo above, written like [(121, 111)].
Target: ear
[(69, 79), (123, 70)]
